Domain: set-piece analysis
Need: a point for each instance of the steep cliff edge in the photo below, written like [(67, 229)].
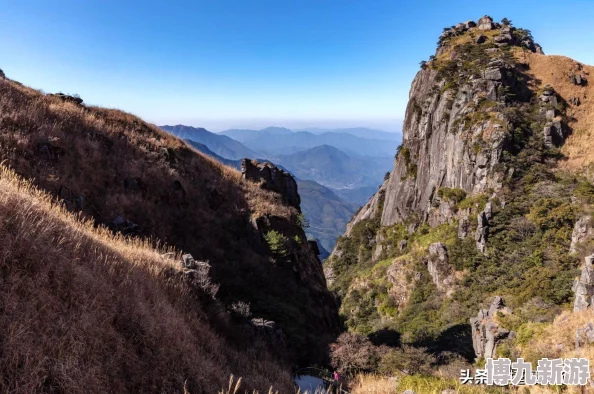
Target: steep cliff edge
[(491, 178)]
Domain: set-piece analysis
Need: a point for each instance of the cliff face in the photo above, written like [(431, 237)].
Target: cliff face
[(456, 121), (480, 202)]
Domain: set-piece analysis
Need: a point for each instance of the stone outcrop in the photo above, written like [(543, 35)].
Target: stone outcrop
[(579, 80), (584, 336), (2, 75), (274, 179), (482, 228), (553, 132), (486, 23), (439, 267), (583, 287), (68, 98), (486, 332), (583, 230)]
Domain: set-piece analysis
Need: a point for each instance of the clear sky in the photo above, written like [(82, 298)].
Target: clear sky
[(254, 63)]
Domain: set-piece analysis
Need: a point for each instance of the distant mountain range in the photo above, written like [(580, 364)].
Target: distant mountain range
[(333, 168), (332, 182), (326, 213), (221, 145), (360, 132), (275, 140)]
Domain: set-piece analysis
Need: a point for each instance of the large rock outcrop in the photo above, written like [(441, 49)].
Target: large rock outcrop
[(486, 332), (583, 287), (583, 231), (445, 143), (273, 179)]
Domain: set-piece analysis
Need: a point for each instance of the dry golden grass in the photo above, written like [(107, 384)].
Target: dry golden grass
[(556, 71), (83, 310), (120, 166)]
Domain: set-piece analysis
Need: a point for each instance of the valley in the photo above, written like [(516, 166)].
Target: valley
[(349, 180), (137, 258)]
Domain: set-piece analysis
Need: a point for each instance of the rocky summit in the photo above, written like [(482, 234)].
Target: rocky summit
[(489, 199)]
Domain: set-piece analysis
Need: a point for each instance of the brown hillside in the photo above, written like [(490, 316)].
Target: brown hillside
[(557, 71), (84, 311), (132, 177)]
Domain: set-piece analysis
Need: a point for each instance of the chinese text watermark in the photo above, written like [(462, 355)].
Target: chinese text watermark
[(503, 372)]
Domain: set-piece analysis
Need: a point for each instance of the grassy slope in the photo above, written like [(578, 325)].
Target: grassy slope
[(110, 164), (556, 71), (83, 310)]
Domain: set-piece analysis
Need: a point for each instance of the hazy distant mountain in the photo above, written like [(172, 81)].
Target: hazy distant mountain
[(277, 141), (204, 149), (221, 145), (361, 132), (333, 168), (326, 213)]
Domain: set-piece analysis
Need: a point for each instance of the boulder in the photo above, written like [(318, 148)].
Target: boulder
[(68, 98), (402, 244), (583, 230), (469, 24), (575, 101), (482, 232), (274, 179), (439, 267), (481, 39), (550, 114), (553, 133), (486, 332), (584, 335), (578, 79), (493, 74), (486, 23), (122, 225), (463, 227), (583, 287), (503, 38)]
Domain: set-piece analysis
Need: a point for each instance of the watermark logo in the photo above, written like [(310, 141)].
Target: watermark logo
[(503, 372)]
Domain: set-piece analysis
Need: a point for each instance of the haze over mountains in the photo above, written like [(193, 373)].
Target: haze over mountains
[(337, 170)]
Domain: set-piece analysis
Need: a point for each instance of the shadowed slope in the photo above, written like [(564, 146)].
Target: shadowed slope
[(83, 310)]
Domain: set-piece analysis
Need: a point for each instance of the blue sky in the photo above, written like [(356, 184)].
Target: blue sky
[(253, 63)]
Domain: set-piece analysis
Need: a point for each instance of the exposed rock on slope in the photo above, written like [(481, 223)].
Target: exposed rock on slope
[(439, 268), (273, 179), (583, 286), (486, 333)]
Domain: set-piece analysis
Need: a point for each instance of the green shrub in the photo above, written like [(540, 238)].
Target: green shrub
[(451, 194), (585, 191), (551, 213), (408, 360), (277, 243)]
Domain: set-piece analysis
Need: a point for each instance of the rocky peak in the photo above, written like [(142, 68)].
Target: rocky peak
[(459, 121), (272, 178), (502, 34)]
